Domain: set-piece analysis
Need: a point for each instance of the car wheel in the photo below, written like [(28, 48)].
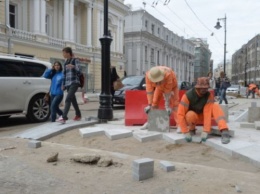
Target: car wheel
[(38, 110)]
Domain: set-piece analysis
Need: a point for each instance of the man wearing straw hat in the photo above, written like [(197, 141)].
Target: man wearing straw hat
[(161, 82), (197, 105)]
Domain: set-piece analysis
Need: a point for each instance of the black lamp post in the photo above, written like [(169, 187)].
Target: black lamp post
[(218, 26), (105, 111)]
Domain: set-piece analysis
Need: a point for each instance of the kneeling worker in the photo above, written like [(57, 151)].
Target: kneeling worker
[(197, 105)]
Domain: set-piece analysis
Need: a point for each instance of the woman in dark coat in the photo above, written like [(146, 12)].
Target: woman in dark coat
[(113, 78)]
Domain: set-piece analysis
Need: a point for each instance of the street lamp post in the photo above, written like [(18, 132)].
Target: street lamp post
[(105, 111), (218, 26)]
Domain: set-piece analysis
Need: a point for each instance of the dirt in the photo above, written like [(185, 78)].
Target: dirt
[(199, 169)]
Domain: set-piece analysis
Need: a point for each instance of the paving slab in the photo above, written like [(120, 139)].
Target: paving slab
[(114, 134), (91, 131), (49, 130), (174, 138), (247, 125), (227, 148), (158, 120), (249, 153), (257, 125), (147, 136)]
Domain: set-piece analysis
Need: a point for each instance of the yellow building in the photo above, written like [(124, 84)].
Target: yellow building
[(42, 28)]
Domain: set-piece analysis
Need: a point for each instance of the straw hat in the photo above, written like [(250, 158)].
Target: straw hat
[(202, 82), (156, 74)]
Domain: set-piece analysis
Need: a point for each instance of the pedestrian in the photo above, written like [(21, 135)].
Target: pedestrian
[(71, 82), (56, 92), (196, 106), (224, 83), (113, 77), (161, 82), (251, 90)]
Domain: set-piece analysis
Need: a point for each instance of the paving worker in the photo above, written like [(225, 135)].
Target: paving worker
[(161, 82), (197, 106), (251, 89)]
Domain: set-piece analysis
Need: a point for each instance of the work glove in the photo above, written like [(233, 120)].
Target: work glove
[(204, 136), (188, 137), (147, 109), (169, 110)]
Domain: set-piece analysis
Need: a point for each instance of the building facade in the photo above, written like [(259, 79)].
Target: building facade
[(41, 28), (246, 62), (148, 43), (202, 58)]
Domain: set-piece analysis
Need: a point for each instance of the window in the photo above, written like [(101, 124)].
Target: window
[(33, 69), (12, 15), (167, 37), (152, 55), (152, 28), (146, 23), (145, 53), (47, 24), (11, 69), (158, 31)]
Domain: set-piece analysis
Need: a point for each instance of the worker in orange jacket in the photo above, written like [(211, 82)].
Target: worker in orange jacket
[(161, 82), (251, 89), (197, 105)]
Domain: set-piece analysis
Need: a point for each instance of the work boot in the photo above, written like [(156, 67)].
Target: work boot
[(225, 137), (204, 136), (188, 137)]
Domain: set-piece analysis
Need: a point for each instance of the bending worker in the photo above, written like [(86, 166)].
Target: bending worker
[(161, 82), (251, 90), (197, 105)]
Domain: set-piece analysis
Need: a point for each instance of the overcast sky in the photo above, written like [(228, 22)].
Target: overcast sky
[(243, 21)]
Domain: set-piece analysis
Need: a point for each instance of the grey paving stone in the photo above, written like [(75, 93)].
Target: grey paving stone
[(34, 144), (247, 125), (147, 136), (49, 130), (253, 104), (142, 169), (196, 139), (250, 154), (174, 138), (91, 131), (167, 166), (253, 114), (158, 120), (227, 148), (225, 110), (257, 125), (118, 134)]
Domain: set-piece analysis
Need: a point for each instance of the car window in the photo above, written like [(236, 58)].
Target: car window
[(33, 69), (11, 69), (133, 80)]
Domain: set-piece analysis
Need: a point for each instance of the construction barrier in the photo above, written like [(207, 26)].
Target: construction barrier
[(136, 101)]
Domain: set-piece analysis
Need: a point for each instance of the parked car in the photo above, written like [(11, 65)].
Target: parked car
[(233, 89), (138, 83), (184, 85), (130, 83), (23, 88)]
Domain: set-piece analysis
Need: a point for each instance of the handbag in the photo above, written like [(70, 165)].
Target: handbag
[(46, 97), (118, 84)]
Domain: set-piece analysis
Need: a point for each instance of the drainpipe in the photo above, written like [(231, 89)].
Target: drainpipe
[(7, 24)]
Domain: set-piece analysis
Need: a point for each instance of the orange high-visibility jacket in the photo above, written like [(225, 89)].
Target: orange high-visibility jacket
[(183, 108), (168, 84)]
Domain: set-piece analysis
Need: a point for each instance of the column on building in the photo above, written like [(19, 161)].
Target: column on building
[(36, 16), (118, 36), (42, 16), (71, 20), (138, 60), (66, 20), (25, 16), (89, 25)]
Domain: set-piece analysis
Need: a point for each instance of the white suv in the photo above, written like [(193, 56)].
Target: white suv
[(22, 88)]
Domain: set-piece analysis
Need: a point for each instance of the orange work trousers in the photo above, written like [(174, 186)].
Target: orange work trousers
[(209, 111)]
